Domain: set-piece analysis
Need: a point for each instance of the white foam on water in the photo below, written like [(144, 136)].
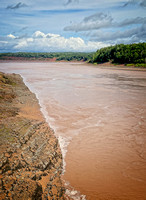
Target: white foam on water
[(63, 142), (74, 194)]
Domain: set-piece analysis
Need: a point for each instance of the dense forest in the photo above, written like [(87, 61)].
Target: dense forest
[(69, 56), (130, 54), (122, 54)]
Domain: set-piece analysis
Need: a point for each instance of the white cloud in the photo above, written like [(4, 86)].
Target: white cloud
[(21, 45), (3, 42), (39, 34), (11, 36), (30, 39), (42, 42), (49, 35)]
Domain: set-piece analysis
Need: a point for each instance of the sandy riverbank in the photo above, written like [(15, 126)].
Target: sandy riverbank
[(31, 159)]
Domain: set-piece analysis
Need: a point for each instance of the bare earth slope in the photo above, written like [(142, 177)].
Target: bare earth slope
[(30, 156)]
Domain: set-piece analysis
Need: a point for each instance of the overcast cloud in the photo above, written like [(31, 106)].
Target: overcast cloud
[(138, 33), (96, 21), (101, 20), (71, 1), (17, 6), (135, 2)]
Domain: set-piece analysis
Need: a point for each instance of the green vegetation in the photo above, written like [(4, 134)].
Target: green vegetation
[(75, 56), (68, 56), (122, 54), (130, 55)]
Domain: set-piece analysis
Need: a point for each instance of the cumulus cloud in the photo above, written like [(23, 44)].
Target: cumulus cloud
[(11, 36), (17, 6), (42, 42), (102, 20), (39, 34)]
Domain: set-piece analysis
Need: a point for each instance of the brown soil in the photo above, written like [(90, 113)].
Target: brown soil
[(30, 158), (19, 59)]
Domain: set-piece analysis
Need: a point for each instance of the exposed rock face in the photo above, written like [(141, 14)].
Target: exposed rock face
[(30, 159)]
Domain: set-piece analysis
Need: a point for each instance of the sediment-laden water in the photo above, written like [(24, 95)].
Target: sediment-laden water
[(99, 117)]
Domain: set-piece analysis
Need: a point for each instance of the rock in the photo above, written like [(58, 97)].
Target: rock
[(27, 189), (30, 152)]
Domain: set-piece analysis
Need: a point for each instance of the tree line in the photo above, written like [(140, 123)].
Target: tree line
[(121, 54), (68, 56)]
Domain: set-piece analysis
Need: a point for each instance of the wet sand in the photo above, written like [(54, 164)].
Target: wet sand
[(98, 115)]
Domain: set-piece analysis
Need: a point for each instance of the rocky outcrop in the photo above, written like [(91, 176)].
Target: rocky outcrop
[(31, 159)]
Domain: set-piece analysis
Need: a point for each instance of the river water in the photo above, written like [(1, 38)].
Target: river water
[(99, 117)]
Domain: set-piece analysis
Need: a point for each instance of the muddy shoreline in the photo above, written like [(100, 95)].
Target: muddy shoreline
[(107, 65), (31, 159)]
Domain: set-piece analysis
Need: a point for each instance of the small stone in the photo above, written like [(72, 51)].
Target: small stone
[(7, 155), (10, 172)]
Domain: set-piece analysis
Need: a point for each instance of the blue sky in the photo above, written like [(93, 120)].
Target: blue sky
[(70, 25)]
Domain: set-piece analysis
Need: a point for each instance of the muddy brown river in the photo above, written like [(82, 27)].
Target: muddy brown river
[(99, 117)]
